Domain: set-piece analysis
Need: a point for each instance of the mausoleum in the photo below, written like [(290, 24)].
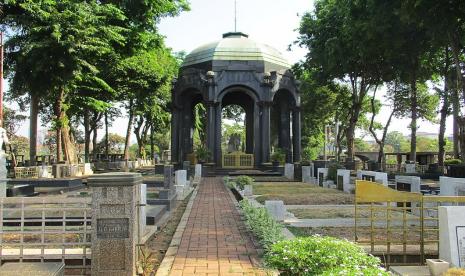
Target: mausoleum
[(237, 70)]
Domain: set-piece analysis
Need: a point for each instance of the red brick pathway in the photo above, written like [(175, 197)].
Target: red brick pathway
[(215, 241)]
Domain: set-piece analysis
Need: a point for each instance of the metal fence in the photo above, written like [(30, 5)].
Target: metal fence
[(238, 160), (51, 228), (401, 226)]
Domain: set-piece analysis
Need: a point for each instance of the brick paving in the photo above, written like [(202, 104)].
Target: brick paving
[(215, 241)]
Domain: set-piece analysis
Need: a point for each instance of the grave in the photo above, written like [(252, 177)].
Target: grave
[(343, 180), (289, 171), (451, 186), (198, 171), (159, 168), (143, 207), (115, 231), (321, 176), (21, 191), (33, 268), (308, 174), (379, 177), (452, 235), (276, 209), (248, 190), (48, 182), (410, 168), (167, 196), (408, 183)]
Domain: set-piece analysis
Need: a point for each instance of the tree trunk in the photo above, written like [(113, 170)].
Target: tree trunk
[(455, 116), (59, 113), (444, 112), (86, 136), (68, 145), (94, 144), (358, 95), (34, 114), (413, 124), (152, 142), (128, 131), (107, 144)]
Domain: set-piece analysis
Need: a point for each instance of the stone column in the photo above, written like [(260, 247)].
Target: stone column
[(265, 131), (296, 139), (175, 125), (211, 118), (115, 197), (217, 153), (284, 140)]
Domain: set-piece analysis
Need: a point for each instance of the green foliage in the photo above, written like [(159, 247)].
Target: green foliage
[(12, 120), (202, 153), (19, 145), (362, 145), (243, 180), (229, 130), (278, 155), (453, 162), (115, 144), (332, 170), (262, 225), (397, 141), (321, 256)]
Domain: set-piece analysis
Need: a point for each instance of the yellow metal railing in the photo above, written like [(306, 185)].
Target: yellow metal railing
[(238, 160), (398, 225)]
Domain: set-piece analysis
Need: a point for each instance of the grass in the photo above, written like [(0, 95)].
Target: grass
[(152, 195), (296, 193), (344, 212)]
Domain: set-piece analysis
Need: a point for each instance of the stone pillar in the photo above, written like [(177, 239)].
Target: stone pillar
[(115, 197), (217, 130), (265, 131), (210, 126), (175, 126), (296, 139), (284, 139)]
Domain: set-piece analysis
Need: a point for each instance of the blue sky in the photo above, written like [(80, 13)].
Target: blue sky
[(271, 22)]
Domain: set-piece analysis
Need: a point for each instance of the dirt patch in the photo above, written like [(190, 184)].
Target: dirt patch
[(293, 193), (347, 212), (159, 243)]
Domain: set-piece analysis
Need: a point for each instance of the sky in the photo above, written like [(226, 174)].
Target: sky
[(270, 22)]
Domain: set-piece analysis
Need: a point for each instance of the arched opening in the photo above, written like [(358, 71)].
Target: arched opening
[(281, 125), (238, 109)]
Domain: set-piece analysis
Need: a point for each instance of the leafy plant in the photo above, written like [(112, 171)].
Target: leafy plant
[(452, 162), (278, 155), (262, 225), (318, 255), (145, 261), (202, 153), (243, 180)]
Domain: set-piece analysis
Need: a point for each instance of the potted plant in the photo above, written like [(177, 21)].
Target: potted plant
[(202, 153), (278, 157)]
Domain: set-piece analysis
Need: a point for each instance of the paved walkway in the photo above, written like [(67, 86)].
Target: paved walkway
[(215, 241)]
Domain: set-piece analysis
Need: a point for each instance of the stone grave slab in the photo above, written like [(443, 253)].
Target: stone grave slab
[(322, 174), (452, 235), (276, 209), (289, 171), (33, 268), (307, 174), (408, 183), (343, 180)]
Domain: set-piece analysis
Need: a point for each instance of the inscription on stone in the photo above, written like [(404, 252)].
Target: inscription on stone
[(112, 209), (113, 228), (461, 245)]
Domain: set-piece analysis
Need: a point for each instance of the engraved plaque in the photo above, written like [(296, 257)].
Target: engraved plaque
[(461, 245), (112, 209), (113, 228)]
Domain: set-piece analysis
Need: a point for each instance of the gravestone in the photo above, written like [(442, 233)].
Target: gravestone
[(451, 186), (115, 231), (180, 178), (379, 177), (343, 180), (276, 209), (452, 235), (289, 171), (43, 171), (88, 169), (168, 181), (248, 190), (198, 171), (143, 208), (322, 175), (408, 183), (167, 195), (410, 168), (307, 175)]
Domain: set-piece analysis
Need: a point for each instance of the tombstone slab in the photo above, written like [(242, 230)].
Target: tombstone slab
[(343, 180), (307, 176), (276, 209), (115, 231), (452, 235), (408, 183), (410, 168), (289, 171), (198, 170), (248, 190), (322, 174), (33, 268)]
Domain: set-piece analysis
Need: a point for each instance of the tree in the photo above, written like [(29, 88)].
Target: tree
[(12, 120), (397, 141), (115, 144)]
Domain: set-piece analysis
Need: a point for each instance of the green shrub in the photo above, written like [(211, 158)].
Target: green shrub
[(452, 162), (262, 225), (318, 255), (279, 155), (332, 171), (243, 180)]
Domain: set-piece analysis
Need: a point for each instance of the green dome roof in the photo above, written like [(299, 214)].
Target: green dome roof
[(235, 46)]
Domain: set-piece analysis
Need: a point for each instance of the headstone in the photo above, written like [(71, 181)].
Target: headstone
[(43, 171), (322, 175), (115, 231), (180, 177), (3, 173), (451, 186), (408, 183), (289, 171), (307, 176), (88, 169), (452, 235), (33, 268), (343, 180), (410, 168), (198, 170), (276, 209), (168, 181), (379, 177), (248, 190), (143, 208)]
